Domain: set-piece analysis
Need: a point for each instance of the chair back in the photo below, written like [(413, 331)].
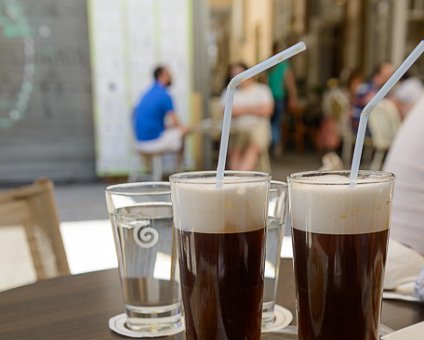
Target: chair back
[(34, 208), (384, 122)]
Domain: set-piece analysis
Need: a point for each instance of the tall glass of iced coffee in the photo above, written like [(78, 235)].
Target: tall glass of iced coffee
[(340, 236), (221, 232)]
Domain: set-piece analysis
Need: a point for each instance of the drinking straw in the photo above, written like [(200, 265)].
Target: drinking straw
[(412, 57), (229, 98)]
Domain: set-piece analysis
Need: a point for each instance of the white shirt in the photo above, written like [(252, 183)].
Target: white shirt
[(409, 91), (255, 94), (406, 161)]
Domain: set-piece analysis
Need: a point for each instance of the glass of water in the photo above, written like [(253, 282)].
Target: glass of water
[(141, 217), (277, 208)]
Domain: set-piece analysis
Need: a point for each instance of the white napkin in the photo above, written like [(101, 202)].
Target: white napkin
[(403, 267), (414, 332)]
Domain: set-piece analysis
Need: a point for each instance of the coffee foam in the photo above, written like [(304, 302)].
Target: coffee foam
[(338, 208), (234, 208)]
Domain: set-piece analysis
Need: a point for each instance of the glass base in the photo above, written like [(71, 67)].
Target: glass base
[(276, 319), (290, 332), (153, 319), (268, 317), (119, 325)]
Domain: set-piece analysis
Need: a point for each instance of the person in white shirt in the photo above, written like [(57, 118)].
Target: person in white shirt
[(252, 108), (406, 161), (407, 93)]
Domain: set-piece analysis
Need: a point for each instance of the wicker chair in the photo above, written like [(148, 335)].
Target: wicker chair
[(33, 207)]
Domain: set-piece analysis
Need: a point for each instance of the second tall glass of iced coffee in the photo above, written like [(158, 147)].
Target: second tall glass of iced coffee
[(340, 234), (221, 230)]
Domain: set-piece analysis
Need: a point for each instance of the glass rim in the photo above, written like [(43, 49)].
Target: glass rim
[(230, 176), (281, 184), (364, 177), (140, 188)]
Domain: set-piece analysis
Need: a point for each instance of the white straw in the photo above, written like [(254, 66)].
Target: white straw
[(229, 97), (409, 61)]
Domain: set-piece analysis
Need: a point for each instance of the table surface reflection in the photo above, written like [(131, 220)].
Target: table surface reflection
[(79, 307)]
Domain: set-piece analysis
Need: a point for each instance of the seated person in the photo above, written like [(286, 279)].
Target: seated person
[(251, 128), (149, 116), (404, 273), (405, 160)]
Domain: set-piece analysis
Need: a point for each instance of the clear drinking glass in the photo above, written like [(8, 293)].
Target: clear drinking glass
[(221, 232), (340, 233), (277, 207), (141, 217)]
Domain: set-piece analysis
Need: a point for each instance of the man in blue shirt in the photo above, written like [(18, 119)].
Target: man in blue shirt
[(150, 114)]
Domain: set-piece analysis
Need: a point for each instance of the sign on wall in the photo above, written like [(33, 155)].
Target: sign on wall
[(46, 125)]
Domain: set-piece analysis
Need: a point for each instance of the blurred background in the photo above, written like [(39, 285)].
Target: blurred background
[(71, 73)]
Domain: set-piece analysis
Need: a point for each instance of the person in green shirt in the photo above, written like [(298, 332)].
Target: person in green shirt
[(280, 79)]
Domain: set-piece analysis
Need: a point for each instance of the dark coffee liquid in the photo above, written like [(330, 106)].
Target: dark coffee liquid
[(222, 284), (339, 284)]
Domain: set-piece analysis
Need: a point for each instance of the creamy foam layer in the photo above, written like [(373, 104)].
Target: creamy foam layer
[(339, 208), (236, 207)]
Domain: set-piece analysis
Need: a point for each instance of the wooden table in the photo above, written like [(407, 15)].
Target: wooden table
[(79, 307)]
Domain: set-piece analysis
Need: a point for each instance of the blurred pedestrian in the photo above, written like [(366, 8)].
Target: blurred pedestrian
[(336, 109), (354, 81), (251, 130), (282, 82), (367, 90)]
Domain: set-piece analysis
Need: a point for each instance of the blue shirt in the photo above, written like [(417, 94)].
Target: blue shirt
[(149, 114), (363, 95)]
